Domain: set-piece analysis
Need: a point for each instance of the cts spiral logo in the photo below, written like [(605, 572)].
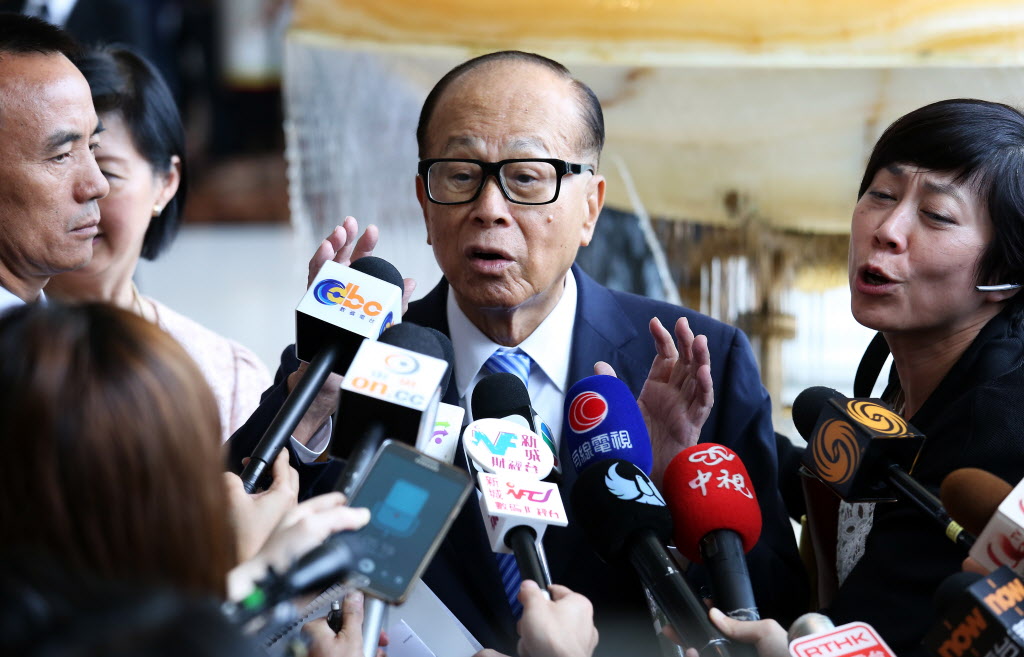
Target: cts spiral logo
[(389, 321), (835, 450), (877, 418), (401, 363), (588, 410), (329, 292)]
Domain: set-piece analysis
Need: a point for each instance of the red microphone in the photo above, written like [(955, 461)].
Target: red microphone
[(717, 521)]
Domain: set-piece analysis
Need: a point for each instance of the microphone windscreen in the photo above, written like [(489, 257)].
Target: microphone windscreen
[(971, 497), (951, 589), (602, 421), (499, 395), (449, 356), (707, 488), (379, 268), (614, 499), (412, 337), (808, 624), (807, 408)]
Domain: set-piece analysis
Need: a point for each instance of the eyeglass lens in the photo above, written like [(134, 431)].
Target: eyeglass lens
[(523, 182)]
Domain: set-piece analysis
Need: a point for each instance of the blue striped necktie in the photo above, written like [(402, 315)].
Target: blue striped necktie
[(513, 361)]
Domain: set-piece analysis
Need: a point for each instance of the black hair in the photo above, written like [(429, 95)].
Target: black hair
[(25, 35), (592, 138), (983, 144), (125, 83)]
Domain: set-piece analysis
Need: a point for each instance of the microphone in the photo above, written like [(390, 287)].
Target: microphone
[(809, 624), (862, 450), (516, 504), (717, 521), (332, 319), (391, 390), (978, 615), (503, 395), (989, 507), (625, 519), (503, 440), (603, 422)]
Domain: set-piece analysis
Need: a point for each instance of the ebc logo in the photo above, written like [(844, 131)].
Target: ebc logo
[(586, 411), (401, 363), (330, 292), (389, 321), (335, 293)]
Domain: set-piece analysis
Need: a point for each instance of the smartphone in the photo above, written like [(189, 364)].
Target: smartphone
[(413, 500)]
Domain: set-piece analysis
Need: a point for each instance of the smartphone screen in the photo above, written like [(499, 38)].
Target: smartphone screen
[(413, 499)]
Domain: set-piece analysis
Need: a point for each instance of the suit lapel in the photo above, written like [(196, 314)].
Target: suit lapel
[(601, 330)]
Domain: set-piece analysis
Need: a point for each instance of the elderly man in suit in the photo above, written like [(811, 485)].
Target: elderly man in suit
[(510, 190)]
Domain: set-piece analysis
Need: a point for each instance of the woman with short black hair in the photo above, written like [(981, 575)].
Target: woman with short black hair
[(142, 155)]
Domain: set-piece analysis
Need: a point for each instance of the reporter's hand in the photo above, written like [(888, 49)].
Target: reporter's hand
[(349, 641), (342, 247), (766, 635), (255, 516), (299, 530), (305, 526), (560, 627)]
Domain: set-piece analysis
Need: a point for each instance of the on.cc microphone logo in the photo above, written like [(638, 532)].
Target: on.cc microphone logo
[(586, 411)]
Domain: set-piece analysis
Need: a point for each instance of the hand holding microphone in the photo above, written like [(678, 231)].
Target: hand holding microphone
[(562, 626), (342, 308)]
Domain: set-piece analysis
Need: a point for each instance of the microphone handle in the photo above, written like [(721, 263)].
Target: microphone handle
[(686, 614), (722, 551), (358, 462), (929, 504), (523, 541), (284, 423)]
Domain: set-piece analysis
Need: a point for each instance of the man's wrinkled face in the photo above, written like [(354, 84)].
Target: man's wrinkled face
[(497, 254), (49, 180)]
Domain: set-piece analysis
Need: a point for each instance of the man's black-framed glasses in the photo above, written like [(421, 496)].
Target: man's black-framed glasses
[(525, 181)]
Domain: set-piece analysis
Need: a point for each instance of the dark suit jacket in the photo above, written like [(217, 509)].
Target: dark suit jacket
[(96, 22), (612, 326)]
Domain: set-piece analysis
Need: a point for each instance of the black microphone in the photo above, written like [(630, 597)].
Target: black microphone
[(625, 519), (332, 320), (978, 615), (503, 396), (863, 450), (380, 399)]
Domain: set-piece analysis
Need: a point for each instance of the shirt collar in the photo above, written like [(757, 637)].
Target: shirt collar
[(547, 346), (9, 299)]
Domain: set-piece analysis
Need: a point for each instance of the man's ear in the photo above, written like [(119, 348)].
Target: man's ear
[(421, 196), (594, 201)]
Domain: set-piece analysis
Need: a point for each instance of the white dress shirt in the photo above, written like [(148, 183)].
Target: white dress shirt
[(9, 299), (549, 347)]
